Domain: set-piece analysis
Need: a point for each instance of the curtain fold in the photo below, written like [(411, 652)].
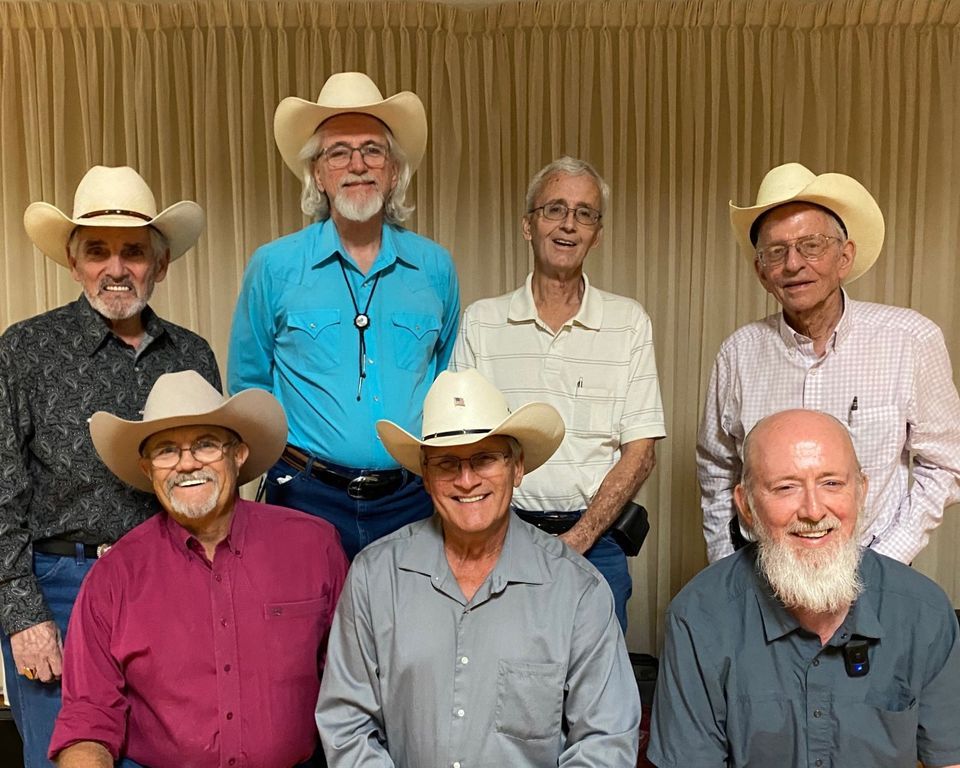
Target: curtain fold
[(683, 105)]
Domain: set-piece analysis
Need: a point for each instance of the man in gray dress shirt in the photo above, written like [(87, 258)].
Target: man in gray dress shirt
[(472, 638), (804, 648)]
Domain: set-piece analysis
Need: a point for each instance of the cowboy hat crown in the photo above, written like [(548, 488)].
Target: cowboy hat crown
[(296, 120), (186, 399), (843, 195), (112, 197), (464, 408)]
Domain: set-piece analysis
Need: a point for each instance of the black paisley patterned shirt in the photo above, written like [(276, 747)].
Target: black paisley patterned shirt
[(56, 370)]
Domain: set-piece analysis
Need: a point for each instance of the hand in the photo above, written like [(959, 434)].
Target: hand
[(38, 648), (576, 540)]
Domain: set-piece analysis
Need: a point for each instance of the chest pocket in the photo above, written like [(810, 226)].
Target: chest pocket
[(878, 435), (414, 340), (315, 337), (529, 699), (593, 411)]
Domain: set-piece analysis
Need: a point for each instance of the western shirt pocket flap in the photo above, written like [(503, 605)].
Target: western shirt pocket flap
[(313, 321), (297, 609), (418, 325)]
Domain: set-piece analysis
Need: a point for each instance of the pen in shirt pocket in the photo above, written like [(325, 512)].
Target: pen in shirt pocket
[(853, 409), (579, 387)]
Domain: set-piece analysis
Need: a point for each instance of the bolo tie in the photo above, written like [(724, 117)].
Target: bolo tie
[(361, 321)]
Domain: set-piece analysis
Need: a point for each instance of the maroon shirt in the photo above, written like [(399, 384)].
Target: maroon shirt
[(172, 660)]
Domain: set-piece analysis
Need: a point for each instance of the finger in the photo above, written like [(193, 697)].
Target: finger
[(44, 673), (56, 663)]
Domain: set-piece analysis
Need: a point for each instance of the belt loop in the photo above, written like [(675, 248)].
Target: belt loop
[(308, 466), (81, 556)]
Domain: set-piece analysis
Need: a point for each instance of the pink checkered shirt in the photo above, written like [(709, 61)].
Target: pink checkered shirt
[(889, 361)]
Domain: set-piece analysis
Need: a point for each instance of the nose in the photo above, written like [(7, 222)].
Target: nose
[(356, 164), (466, 476), (187, 461), (570, 220), (812, 508), (794, 262)]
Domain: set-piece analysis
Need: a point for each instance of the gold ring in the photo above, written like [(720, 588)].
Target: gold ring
[(29, 672)]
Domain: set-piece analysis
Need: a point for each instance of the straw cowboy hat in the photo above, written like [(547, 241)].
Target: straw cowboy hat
[(296, 120), (186, 399), (112, 197), (464, 408), (843, 195)]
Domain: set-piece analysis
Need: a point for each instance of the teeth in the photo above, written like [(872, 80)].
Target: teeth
[(192, 482), (468, 499), (812, 534), (116, 288)]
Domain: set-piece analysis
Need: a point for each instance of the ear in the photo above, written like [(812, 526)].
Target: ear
[(163, 262), (846, 258), (144, 464), (316, 176), (526, 226), (598, 238), (743, 506), (517, 471), (764, 280), (240, 453), (72, 262)]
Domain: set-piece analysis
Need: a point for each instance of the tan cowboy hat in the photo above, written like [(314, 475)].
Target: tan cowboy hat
[(464, 408), (296, 120), (843, 195), (112, 197), (186, 399)]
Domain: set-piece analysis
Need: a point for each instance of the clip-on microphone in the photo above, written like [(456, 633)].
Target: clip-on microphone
[(856, 658)]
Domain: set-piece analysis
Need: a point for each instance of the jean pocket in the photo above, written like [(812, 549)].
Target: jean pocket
[(46, 567)]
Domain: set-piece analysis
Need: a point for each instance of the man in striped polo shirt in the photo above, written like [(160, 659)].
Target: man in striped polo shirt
[(588, 353)]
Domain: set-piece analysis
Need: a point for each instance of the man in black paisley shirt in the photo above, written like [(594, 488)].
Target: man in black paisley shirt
[(104, 351)]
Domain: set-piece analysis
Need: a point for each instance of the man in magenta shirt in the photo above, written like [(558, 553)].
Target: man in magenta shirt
[(199, 638)]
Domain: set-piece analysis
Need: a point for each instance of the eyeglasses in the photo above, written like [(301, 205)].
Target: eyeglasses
[(810, 248), (582, 214), (339, 155), (204, 451), (485, 464)]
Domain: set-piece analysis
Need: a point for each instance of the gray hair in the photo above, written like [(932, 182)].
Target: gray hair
[(571, 166), (159, 244), (316, 204)]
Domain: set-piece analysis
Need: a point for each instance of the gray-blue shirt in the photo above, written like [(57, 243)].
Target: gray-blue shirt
[(742, 684), (532, 671)]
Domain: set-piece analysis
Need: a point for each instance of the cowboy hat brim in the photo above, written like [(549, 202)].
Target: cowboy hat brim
[(253, 414), (296, 120), (50, 229), (536, 426), (843, 195)]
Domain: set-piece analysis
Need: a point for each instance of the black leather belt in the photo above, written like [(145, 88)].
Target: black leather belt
[(361, 484), (553, 523), (67, 548)]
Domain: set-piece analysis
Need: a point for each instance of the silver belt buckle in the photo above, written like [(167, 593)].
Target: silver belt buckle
[(102, 549), (355, 486)]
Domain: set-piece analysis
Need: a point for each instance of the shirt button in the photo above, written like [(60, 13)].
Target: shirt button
[(817, 713), (226, 667), (460, 713), (843, 636), (456, 764), (218, 577), (232, 761), (818, 762), (313, 325), (223, 622), (464, 660), (229, 715), (816, 662)]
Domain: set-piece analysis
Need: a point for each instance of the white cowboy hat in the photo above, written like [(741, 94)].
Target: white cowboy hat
[(296, 120), (843, 195), (464, 408), (112, 197), (186, 399)]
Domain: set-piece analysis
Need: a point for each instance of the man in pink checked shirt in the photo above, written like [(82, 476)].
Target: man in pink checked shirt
[(199, 638), (882, 371)]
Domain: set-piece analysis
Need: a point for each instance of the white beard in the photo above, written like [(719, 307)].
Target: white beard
[(199, 508), (821, 581), (353, 209), (121, 307)]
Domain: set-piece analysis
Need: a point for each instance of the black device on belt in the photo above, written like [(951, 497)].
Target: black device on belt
[(359, 484), (67, 548), (629, 529)]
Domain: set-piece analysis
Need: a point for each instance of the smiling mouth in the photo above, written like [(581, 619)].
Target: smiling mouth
[(471, 499), (190, 482), (563, 243), (812, 535), (117, 288)]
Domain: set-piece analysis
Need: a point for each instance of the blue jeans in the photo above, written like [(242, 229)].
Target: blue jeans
[(35, 705), (358, 522)]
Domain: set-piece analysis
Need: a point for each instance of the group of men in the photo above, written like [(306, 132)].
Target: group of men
[(215, 633)]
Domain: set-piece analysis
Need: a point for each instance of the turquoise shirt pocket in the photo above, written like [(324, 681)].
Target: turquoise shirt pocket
[(315, 336), (414, 339)]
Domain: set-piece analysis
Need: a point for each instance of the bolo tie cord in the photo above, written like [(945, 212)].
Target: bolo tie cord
[(361, 322)]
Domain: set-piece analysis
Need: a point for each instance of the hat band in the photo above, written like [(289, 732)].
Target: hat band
[(116, 212), (456, 432)]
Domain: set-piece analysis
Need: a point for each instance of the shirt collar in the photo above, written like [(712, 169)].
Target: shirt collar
[(523, 308), (95, 331), (425, 554), (328, 245), (794, 339), (181, 537)]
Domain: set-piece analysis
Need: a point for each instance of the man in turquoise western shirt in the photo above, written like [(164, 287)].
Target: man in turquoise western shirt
[(349, 320)]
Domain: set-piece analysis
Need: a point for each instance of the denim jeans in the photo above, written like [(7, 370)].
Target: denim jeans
[(358, 522), (35, 705)]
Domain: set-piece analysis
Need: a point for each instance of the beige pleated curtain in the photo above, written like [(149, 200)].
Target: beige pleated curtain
[(681, 105)]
